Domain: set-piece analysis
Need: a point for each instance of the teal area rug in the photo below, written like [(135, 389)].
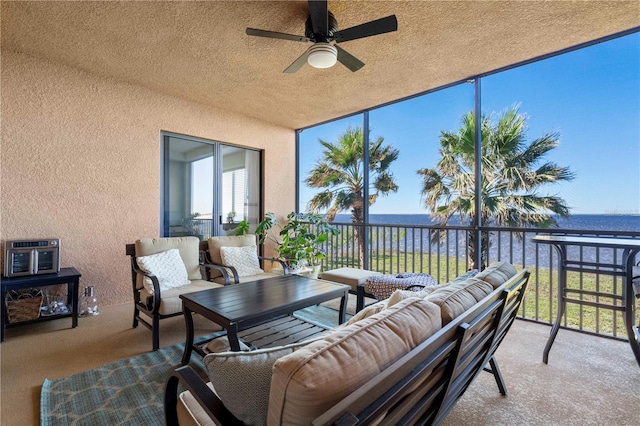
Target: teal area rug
[(130, 391)]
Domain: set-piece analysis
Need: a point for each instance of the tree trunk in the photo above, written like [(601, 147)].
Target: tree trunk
[(472, 250), (358, 232)]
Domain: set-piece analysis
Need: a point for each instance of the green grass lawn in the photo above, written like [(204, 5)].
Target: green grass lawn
[(540, 302)]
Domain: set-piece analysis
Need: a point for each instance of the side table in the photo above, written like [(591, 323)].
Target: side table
[(622, 269), (69, 276)]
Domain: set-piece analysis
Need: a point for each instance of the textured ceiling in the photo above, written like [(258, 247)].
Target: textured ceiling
[(199, 50)]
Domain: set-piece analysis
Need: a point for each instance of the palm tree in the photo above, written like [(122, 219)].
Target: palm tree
[(512, 173), (340, 171)]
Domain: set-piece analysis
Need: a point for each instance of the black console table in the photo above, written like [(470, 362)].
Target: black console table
[(69, 276)]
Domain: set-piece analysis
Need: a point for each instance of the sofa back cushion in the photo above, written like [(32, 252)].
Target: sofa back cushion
[(314, 378), (455, 298), (188, 247), (214, 244), (497, 273)]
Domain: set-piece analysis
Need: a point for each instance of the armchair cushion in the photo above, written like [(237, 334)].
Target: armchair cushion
[(167, 266), (187, 246), (242, 380), (244, 259), (171, 302), (214, 244), (262, 276), (228, 241)]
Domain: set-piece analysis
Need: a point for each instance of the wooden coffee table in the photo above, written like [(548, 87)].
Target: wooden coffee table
[(240, 306)]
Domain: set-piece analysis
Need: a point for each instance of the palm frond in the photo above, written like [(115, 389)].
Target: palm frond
[(510, 179), (320, 201)]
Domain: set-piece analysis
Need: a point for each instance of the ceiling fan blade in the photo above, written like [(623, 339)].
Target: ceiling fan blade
[(348, 60), (379, 26), (297, 64), (319, 13), (274, 34)]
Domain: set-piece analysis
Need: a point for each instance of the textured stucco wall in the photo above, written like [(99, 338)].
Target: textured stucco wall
[(80, 161)]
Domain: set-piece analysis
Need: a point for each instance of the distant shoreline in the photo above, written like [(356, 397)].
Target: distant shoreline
[(602, 222)]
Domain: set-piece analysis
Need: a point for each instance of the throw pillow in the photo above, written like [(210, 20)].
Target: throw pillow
[(167, 266), (400, 295), (469, 274), (221, 344), (242, 380), (244, 259), (368, 311)]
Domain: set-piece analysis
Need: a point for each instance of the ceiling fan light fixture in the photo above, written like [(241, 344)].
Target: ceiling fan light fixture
[(322, 55)]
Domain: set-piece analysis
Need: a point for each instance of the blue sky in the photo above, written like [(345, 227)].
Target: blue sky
[(590, 96)]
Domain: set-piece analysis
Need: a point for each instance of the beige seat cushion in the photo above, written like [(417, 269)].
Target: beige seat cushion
[(187, 246), (497, 273), (190, 413), (314, 378), (455, 298), (264, 275), (171, 302), (214, 244), (349, 276)]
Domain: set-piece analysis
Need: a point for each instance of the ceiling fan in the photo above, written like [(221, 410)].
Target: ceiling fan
[(321, 29)]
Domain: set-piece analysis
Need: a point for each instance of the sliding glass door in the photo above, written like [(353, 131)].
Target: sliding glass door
[(207, 187), (240, 190)]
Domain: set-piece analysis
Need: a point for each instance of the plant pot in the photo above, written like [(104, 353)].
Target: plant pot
[(315, 270), (295, 271)]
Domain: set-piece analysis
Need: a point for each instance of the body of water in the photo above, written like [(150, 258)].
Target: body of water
[(519, 250), (599, 222)]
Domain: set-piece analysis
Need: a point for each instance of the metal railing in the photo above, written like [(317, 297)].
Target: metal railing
[(204, 228), (442, 252)]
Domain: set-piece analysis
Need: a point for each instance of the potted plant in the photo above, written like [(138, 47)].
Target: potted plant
[(300, 241)]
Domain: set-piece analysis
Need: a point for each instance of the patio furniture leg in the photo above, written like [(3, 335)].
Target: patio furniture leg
[(155, 332), (136, 312), (188, 345), (630, 312), (562, 302), (343, 308), (360, 297), (232, 335), (493, 369)]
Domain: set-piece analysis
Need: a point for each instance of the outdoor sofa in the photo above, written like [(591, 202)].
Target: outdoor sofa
[(405, 360)]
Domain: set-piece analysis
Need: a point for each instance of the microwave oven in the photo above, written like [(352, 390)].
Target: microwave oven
[(31, 257)]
